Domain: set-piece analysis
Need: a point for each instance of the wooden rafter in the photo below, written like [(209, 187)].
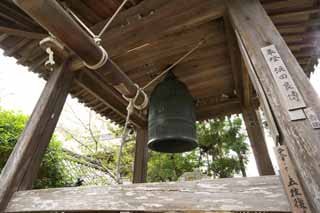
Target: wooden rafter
[(156, 24), (22, 33)]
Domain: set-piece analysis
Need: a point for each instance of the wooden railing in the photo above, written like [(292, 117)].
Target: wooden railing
[(255, 194)]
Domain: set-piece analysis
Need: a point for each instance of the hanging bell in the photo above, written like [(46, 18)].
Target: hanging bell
[(171, 119)]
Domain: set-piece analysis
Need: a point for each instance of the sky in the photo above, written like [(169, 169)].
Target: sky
[(20, 90)]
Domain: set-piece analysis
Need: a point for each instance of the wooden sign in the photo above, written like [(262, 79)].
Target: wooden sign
[(313, 118), (291, 182), (297, 114), (287, 87)]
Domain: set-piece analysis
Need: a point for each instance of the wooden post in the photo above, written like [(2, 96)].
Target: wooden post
[(257, 31), (141, 156), (22, 166), (257, 140)]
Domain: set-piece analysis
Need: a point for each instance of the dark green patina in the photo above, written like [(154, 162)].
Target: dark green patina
[(171, 120)]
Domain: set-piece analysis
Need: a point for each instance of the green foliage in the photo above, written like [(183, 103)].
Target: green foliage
[(11, 125), (52, 172), (223, 146), (169, 167), (222, 153)]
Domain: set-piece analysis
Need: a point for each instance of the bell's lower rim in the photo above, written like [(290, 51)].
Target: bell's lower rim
[(172, 144)]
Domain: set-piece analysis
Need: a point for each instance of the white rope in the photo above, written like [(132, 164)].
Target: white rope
[(103, 60), (96, 38), (111, 19), (174, 64), (145, 102), (79, 20), (130, 110)]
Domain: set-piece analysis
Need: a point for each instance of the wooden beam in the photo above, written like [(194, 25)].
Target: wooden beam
[(161, 17), (221, 107), (256, 194), (234, 53), (52, 16), (257, 31), (24, 162), (22, 33), (257, 140), (94, 84), (141, 156), (260, 92)]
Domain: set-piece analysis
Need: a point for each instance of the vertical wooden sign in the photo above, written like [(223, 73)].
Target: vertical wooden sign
[(313, 118), (291, 182), (283, 79)]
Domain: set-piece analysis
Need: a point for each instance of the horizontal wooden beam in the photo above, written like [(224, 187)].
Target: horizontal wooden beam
[(222, 107), (21, 33), (258, 194), (93, 83)]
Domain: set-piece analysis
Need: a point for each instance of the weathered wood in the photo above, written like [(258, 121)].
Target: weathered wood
[(234, 53), (22, 33), (158, 23), (259, 90), (141, 156), (95, 86), (257, 140), (283, 78), (257, 31), (263, 194), (291, 182), (64, 27), (23, 163)]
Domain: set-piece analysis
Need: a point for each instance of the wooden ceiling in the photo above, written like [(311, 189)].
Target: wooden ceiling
[(150, 35)]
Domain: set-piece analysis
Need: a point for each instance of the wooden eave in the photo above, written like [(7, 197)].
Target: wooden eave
[(150, 35)]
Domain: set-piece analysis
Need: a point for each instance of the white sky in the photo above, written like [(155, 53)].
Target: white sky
[(20, 90)]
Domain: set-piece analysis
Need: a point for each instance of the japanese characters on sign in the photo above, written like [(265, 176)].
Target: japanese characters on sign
[(291, 182), (313, 118), (284, 81)]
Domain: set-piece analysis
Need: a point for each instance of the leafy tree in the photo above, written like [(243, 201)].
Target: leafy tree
[(169, 167), (223, 146), (222, 153), (52, 172)]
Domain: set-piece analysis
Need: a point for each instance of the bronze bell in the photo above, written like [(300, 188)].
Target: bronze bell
[(171, 119)]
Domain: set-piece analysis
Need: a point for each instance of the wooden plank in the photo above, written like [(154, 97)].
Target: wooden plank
[(287, 88), (22, 33), (263, 194), (255, 132), (167, 18), (291, 182), (257, 31), (313, 118), (234, 53), (141, 156), (259, 90), (23, 163)]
